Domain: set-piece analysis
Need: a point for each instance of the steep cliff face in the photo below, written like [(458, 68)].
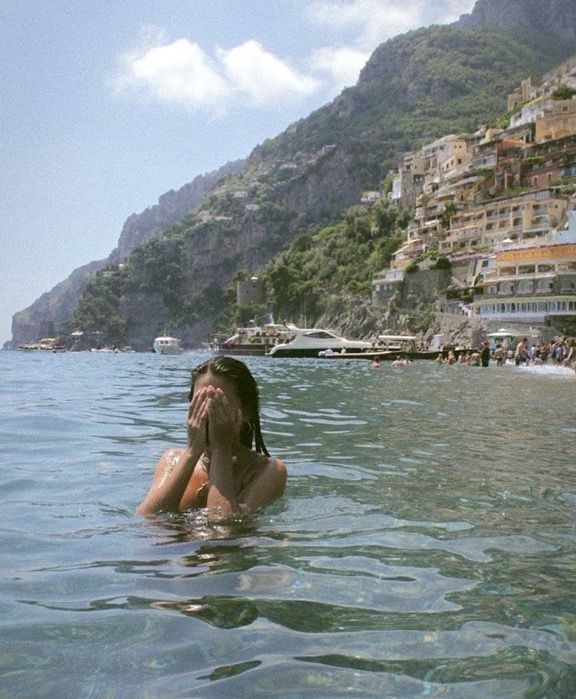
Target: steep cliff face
[(324, 191), (202, 266), (551, 17), (47, 314), (172, 206)]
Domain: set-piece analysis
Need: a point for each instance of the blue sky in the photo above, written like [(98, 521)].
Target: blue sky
[(106, 105)]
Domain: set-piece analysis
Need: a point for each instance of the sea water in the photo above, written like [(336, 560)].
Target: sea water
[(425, 545)]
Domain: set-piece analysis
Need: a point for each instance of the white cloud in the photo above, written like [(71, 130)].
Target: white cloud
[(342, 64), (182, 73), (368, 23), (262, 77)]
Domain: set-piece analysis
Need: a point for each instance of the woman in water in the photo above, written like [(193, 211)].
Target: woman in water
[(225, 467)]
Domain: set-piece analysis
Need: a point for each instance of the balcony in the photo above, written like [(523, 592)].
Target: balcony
[(457, 238), (513, 278)]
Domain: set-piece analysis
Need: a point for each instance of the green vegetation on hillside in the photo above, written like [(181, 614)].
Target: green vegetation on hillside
[(99, 308), (157, 275), (338, 260), (416, 87)]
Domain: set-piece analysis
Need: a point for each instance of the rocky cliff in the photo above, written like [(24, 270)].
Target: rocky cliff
[(555, 18), (171, 207), (47, 315)]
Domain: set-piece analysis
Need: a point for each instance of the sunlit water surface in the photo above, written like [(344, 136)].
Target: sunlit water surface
[(425, 545)]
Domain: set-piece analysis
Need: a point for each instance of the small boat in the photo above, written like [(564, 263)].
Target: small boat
[(254, 339), (396, 342), (167, 345), (310, 342)]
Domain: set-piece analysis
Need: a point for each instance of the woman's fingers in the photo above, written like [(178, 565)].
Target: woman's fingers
[(219, 407), (197, 408), (211, 404), (221, 418)]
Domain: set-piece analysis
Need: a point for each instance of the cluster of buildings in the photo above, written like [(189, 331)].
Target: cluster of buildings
[(500, 205)]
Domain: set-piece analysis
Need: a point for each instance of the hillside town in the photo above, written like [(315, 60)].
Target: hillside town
[(491, 240), (497, 208)]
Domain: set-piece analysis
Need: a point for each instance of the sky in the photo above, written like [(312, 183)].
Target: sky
[(106, 105)]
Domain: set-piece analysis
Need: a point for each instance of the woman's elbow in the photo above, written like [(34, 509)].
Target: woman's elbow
[(143, 510)]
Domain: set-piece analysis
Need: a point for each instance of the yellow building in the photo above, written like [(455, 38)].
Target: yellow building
[(525, 216), (557, 121), (531, 281)]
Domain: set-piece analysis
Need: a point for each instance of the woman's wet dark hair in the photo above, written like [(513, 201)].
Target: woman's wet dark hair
[(240, 377)]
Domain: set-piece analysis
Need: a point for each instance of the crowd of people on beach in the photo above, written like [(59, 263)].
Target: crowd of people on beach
[(560, 352)]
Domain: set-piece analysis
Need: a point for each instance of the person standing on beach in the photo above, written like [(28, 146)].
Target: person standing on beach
[(521, 356), (500, 354), (485, 353), (225, 467)]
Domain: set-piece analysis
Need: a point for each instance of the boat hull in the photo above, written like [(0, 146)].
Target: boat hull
[(241, 350), (313, 352)]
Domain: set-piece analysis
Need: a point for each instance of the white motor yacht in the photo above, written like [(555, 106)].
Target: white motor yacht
[(310, 342), (167, 345)]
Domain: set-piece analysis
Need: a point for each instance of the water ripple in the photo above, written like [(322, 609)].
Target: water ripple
[(425, 545)]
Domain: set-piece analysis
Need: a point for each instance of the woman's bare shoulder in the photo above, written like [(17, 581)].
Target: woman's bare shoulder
[(268, 464), (279, 467), (266, 485), (275, 470)]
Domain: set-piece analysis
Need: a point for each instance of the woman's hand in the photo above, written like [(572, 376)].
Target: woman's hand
[(224, 421), (196, 420)]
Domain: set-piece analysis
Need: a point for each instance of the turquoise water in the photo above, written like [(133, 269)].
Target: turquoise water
[(425, 545)]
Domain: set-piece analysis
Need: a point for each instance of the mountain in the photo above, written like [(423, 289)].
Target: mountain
[(47, 315), (534, 18), (414, 88)]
